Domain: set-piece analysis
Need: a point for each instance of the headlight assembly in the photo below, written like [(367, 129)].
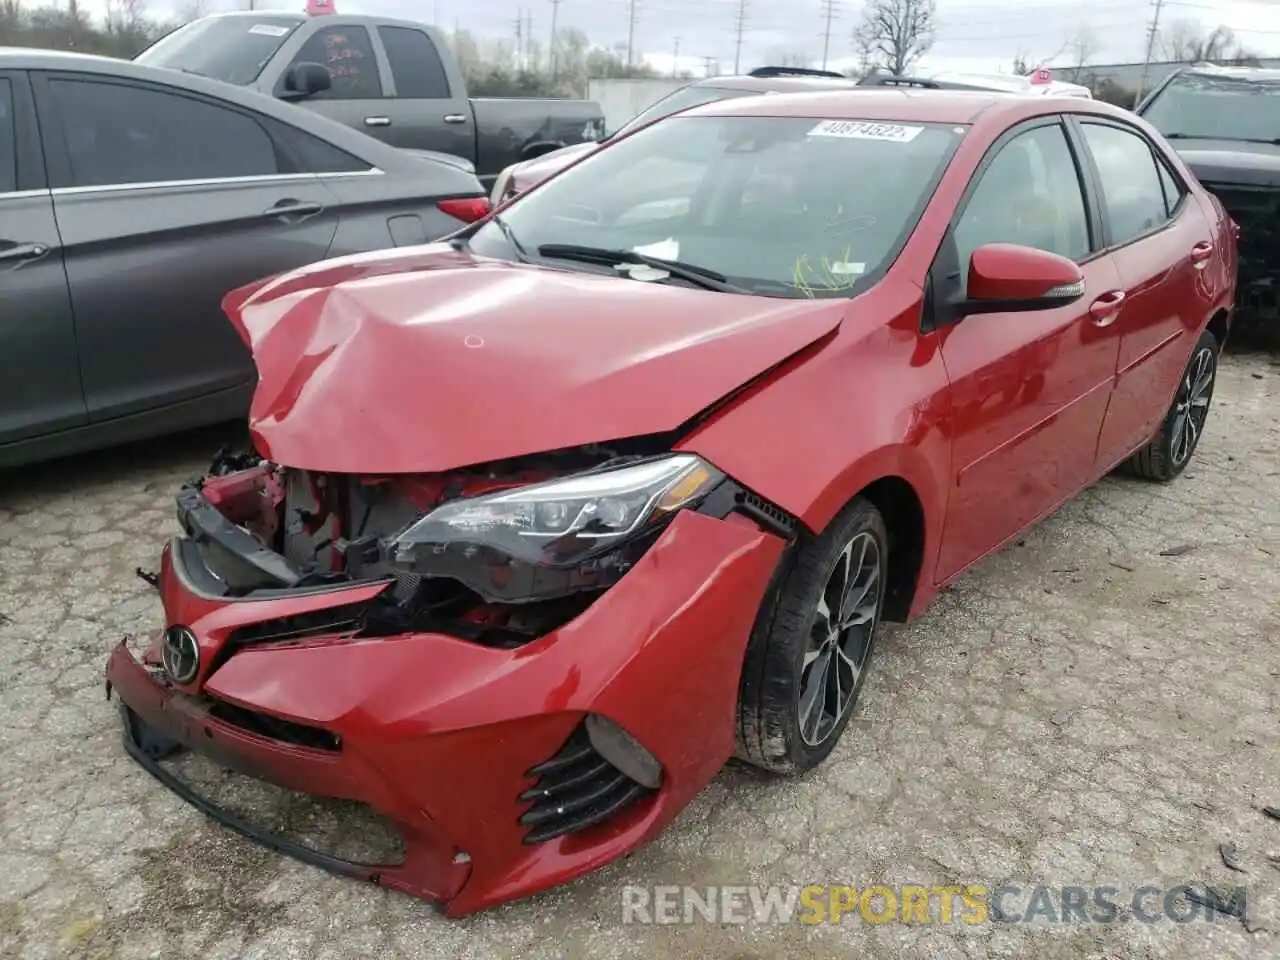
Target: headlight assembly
[(550, 539)]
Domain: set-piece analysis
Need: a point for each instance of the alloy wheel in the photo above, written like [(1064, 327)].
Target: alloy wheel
[(840, 640), (1191, 406)]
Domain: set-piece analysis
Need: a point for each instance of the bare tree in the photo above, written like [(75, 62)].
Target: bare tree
[(190, 10), (897, 33), (1082, 48), (1184, 41)]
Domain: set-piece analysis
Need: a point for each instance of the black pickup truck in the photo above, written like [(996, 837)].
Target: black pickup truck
[(396, 80), (1225, 124)]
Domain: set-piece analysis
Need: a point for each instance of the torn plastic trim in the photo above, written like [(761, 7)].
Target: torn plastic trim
[(233, 556)]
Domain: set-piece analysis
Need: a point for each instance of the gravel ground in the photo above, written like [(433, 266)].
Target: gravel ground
[(1095, 705)]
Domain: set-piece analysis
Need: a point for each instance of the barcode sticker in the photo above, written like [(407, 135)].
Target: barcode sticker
[(864, 130)]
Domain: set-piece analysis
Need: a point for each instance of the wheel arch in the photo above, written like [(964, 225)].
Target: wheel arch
[(1219, 325), (904, 518), (536, 149)]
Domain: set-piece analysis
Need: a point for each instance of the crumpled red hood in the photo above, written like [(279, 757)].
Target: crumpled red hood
[(427, 360)]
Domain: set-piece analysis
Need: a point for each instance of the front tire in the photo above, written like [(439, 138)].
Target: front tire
[(809, 651), (1170, 450)]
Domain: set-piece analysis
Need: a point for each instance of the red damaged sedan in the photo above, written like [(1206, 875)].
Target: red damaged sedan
[(546, 522)]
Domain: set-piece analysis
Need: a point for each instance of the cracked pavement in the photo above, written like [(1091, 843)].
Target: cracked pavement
[(1097, 704)]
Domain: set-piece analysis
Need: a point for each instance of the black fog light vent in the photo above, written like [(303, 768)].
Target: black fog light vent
[(575, 789)]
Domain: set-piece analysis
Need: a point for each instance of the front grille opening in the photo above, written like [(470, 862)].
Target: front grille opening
[(274, 728), (341, 619), (345, 829), (575, 789)]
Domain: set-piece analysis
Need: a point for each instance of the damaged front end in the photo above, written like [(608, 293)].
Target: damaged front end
[(1255, 208), (525, 669), (497, 555)]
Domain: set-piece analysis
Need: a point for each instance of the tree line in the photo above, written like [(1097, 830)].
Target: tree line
[(891, 35)]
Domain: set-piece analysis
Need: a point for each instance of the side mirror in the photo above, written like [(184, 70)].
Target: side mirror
[(306, 79), (1008, 278)]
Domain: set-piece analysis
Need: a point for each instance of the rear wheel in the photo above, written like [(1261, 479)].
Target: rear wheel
[(811, 646), (1170, 450)]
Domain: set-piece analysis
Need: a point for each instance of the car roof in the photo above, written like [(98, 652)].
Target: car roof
[(1263, 74), (891, 104), (775, 84)]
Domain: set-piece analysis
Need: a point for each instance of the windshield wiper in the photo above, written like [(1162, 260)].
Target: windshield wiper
[(700, 276), (1213, 136)]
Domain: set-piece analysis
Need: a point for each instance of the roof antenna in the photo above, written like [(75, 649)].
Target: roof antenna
[(320, 8)]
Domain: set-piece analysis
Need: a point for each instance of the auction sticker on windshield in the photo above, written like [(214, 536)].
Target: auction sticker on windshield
[(862, 130), (268, 30)]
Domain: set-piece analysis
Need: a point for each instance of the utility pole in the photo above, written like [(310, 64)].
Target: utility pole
[(1151, 45), (829, 9), (519, 38), (555, 9), (675, 60), (631, 31), (706, 65), (741, 24), (528, 41)]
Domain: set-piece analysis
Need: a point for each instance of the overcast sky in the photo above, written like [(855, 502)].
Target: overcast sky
[(972, 34)]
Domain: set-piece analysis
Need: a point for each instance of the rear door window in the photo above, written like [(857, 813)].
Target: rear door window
[(120, 133), (415, 64), (8, 140), (1131, 189), (347, 53)]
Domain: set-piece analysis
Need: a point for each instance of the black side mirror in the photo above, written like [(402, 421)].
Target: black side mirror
[(305, 80)]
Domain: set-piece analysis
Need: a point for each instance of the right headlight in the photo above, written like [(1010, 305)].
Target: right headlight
[(550, 539)]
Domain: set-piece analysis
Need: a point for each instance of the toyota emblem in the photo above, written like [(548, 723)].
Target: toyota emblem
[(180, 655)]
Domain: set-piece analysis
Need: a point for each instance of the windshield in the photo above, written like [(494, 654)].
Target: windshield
[(682, 99), (790, 207), (230, 49), (1214, 107)]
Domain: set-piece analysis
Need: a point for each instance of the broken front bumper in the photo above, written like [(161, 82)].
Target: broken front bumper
[(439, 735)]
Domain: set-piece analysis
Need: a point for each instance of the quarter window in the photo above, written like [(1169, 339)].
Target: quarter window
[(1030, 194), (118, 133), (1131, 189), (347, 53), (1173, 192), (415, 64), (8, 140)]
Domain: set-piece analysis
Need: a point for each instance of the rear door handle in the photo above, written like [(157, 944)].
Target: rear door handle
[(1106, 308), (23, 251), (377, 121), (294, 211), (1201, 253), (455, 118)]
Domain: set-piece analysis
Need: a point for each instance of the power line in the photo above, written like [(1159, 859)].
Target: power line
[(741, 23)]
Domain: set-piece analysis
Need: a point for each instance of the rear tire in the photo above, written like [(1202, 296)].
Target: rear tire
[(811, 646), (1170, 450)]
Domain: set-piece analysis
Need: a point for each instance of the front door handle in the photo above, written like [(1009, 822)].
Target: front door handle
[(1201, 253), (1106, 308), (23, 251), (455, 118), (377, 121), (294, 211)]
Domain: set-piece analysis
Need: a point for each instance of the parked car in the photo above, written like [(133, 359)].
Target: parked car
[(556, 516), (394, 79), (131, 200), (519, 177), (1225, 123)]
